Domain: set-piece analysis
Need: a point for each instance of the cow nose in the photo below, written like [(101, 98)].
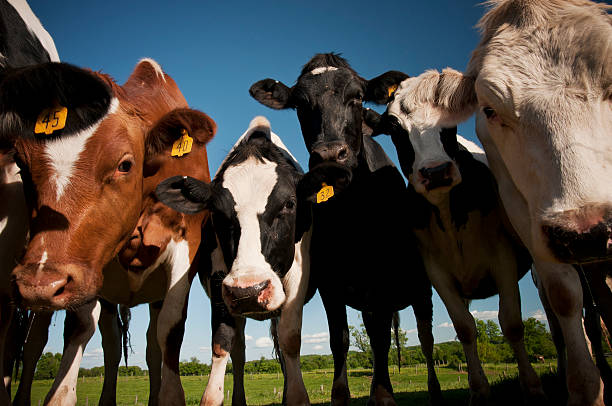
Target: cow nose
[(580, 235), (41, 288), (247, 299), (437, 176), (335, 151)]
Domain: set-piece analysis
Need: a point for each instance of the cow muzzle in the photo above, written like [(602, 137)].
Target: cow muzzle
[(580, 235), (244, 297), (48, 287), (437, 176), (333, 151)]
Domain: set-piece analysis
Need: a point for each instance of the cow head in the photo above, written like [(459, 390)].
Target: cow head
[(543, 79), (176, 144), (79, 142), (328, 98), (423, 128), (255, 214)]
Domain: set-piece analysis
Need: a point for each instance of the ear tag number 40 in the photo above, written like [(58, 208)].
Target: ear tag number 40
[(326, 192), (183, 145), (50, 120)]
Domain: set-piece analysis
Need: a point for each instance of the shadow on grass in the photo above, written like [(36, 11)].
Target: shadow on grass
[(504, 392)]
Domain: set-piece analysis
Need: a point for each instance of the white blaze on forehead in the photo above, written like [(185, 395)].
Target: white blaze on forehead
[(35, 27), (250, 184), (323, 69), (63, 152)]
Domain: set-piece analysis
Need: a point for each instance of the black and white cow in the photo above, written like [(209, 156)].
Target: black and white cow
[(468, 245), (363, 253), (258, 264)]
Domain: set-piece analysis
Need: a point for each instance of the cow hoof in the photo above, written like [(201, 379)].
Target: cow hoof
[(340, 395), (381, 397)]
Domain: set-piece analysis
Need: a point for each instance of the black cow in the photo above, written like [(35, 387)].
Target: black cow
[(257, 266), (363, 253)]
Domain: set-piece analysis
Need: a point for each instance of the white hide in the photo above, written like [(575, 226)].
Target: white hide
[(64, 152), (35, 27)]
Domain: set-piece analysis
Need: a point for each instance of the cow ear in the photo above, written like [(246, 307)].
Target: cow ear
[(184, 194), (271, 93), (380, 89), (176, 124), (33, 97), (372, 123)]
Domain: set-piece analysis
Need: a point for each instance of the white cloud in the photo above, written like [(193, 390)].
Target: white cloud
[(485, 314), (263, 342), (411, 331), (318, 347), (205, 348), (95, 353), (539, 314), (446, 324), (247, 337), (321, 337)]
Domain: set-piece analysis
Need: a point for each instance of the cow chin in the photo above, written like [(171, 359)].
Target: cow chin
[(331, 173), (253, 295), (51, 287), (579, 235)]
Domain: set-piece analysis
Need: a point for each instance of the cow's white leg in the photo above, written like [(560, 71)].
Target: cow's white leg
[(465, 327), (154, 354), (37, 336), (423, 312), (111, 344), (562, 286), (223, 331), (6, 316), (513, 329), (238, 360), (289, 341), (77, 333)]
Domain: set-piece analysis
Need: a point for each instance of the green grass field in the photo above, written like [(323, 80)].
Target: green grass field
[(410, 387)]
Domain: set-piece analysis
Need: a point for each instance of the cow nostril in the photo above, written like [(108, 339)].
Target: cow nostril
[(62, 288), (342, 154)]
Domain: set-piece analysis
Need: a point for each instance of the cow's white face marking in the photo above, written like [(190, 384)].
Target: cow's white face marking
[(251, 183), (35, 27), (64, 152), (323, 69)]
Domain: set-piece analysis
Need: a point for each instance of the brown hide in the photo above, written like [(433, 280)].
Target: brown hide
[(158, 224), (74, 236)]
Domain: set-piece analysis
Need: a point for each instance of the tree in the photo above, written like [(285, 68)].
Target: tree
[(538, 341), (47, 366)]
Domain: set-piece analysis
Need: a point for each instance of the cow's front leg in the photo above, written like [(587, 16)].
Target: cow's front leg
[(78, 329), (170, 331), (465, 327), (339, 344), (562, 286), (111, 344), (223, 332), (378, 327), (154, 354), (238, 360), (6, 317), (289, 331), (35, 340), (513, 329), (423, 312)]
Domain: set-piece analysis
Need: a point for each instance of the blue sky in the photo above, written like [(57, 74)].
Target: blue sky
[(215, 50)]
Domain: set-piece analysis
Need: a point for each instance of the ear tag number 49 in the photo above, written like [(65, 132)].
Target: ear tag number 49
[(183, 145), (50, 120)]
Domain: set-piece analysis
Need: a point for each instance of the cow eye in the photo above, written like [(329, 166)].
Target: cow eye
[(489, 112), (125, 166)]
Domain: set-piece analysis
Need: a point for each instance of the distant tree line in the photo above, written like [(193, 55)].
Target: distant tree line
[(492, 348)]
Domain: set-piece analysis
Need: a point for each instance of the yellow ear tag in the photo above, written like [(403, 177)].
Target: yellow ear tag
[(392, 90), (325, 193), (51, 119), (183, 145)]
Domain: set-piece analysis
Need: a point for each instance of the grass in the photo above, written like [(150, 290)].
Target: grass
[(410, 387)]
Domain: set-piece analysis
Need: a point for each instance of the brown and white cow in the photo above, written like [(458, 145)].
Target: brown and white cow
[(89, 184), (469, 247), (540, 83)]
